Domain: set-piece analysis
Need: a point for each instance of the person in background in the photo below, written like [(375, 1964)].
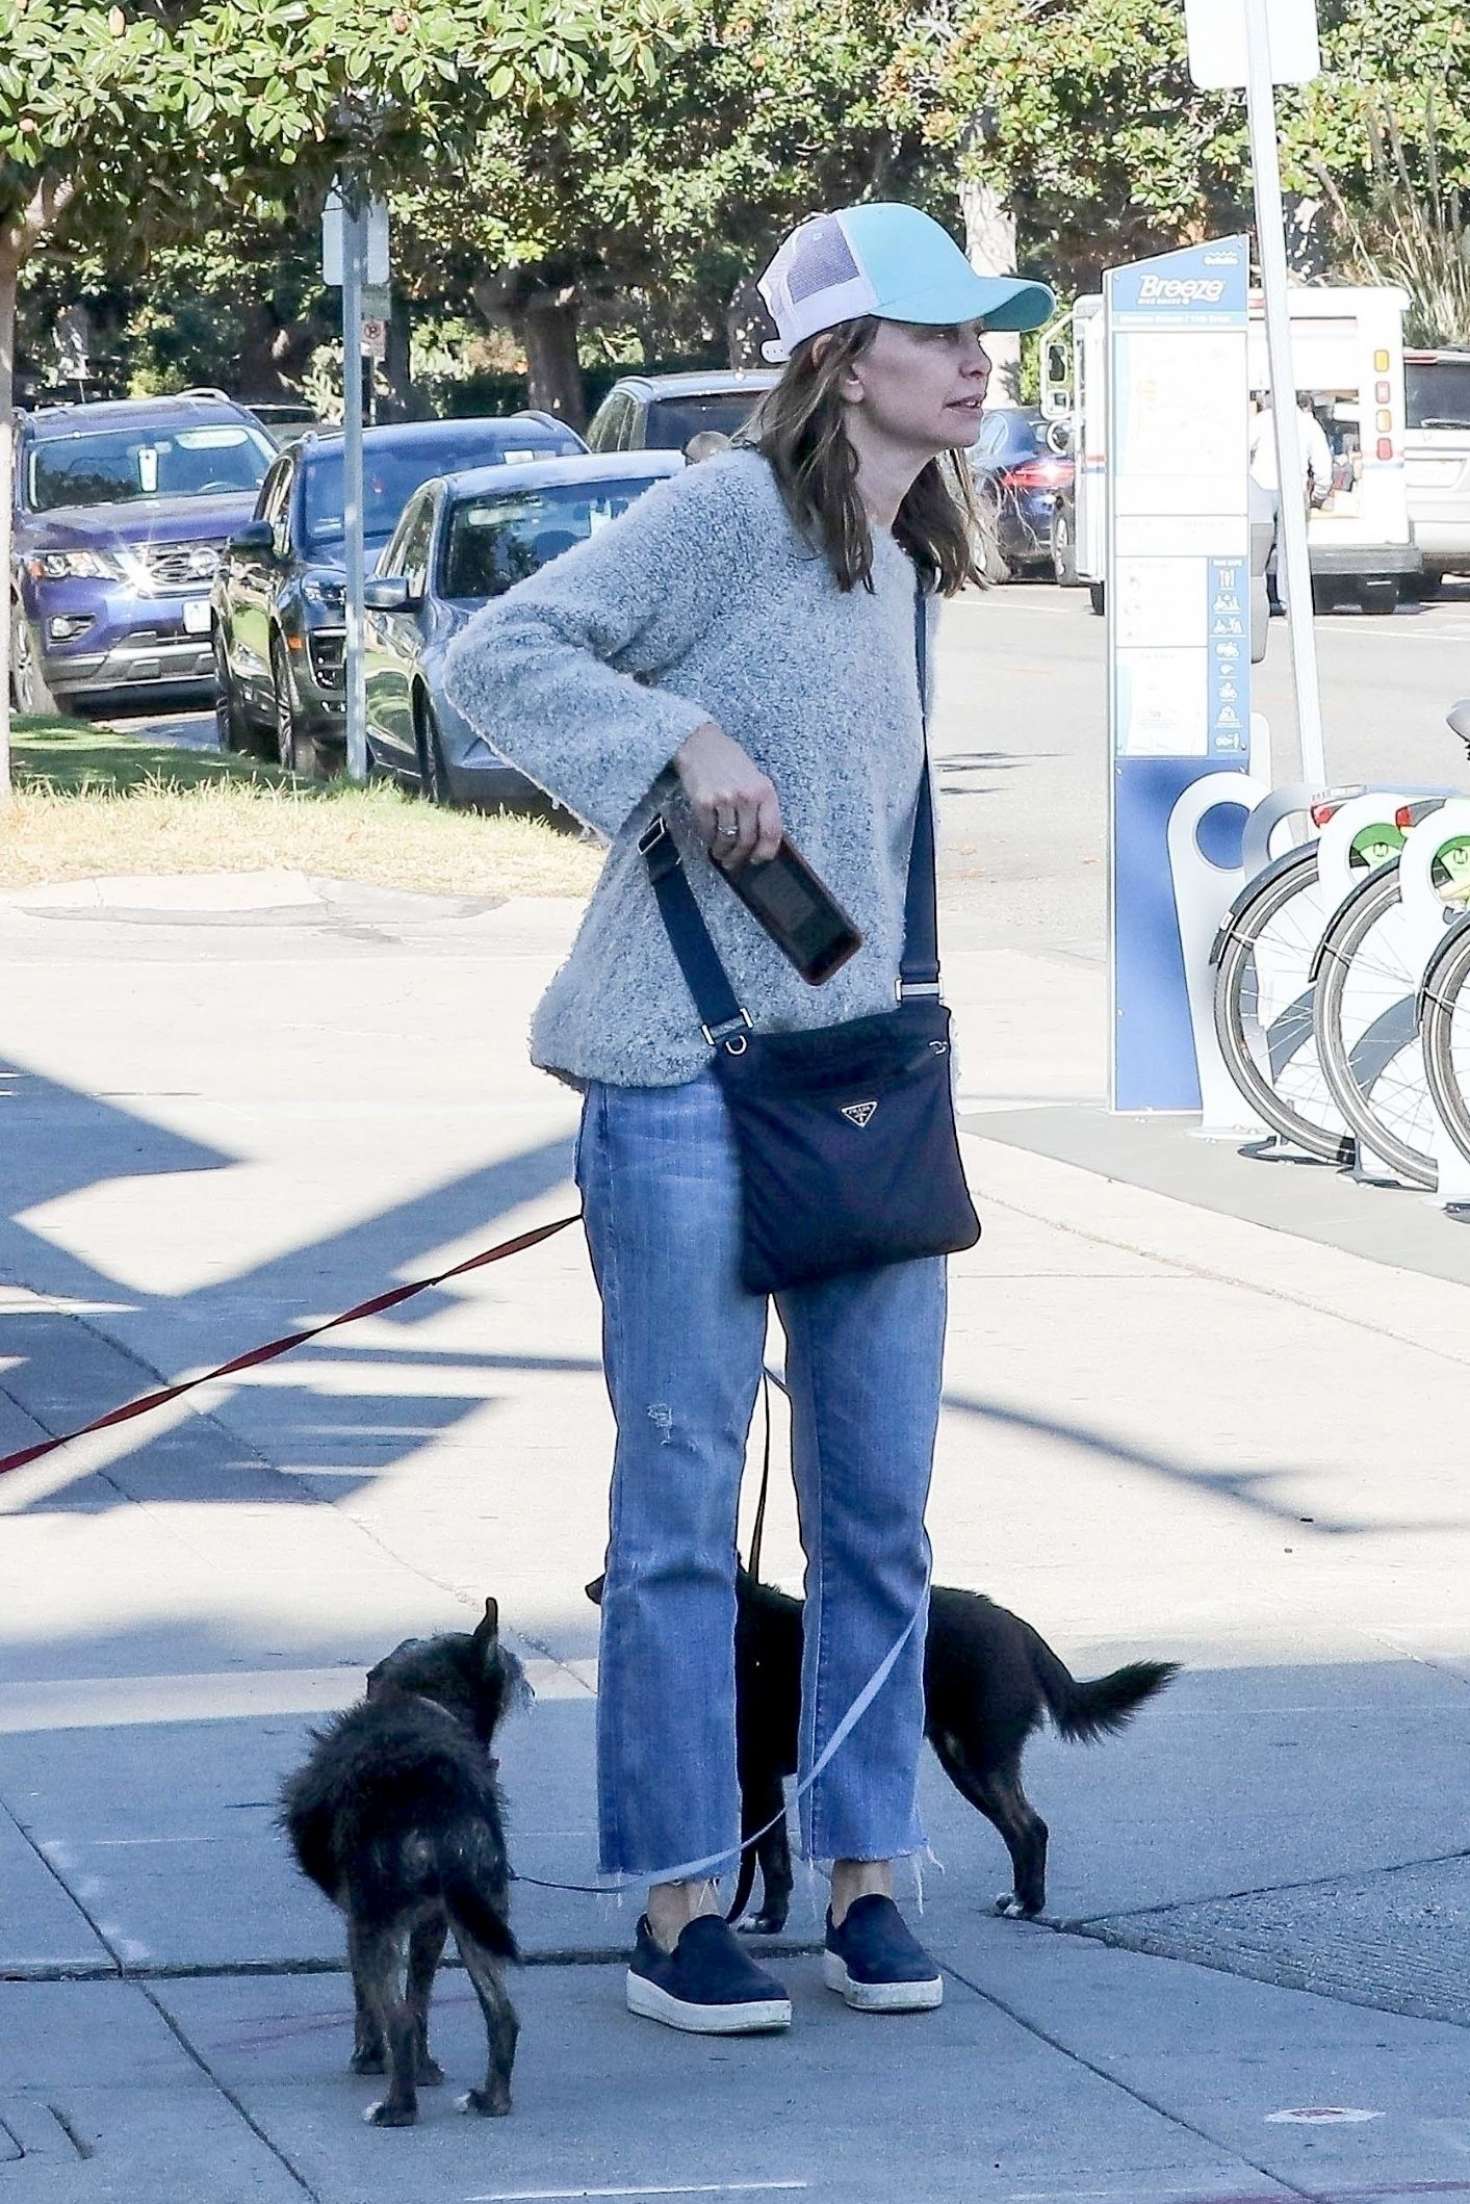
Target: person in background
[(1315, 455)]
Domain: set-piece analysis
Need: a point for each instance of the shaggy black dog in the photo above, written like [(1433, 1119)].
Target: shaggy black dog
[(990, 1681), (396, 1815)]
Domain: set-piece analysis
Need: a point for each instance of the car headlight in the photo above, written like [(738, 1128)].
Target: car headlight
[(74, 566), (317, 590)]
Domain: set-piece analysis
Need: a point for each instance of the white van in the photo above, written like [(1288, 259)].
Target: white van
[(1437, 460), (1347, 350)]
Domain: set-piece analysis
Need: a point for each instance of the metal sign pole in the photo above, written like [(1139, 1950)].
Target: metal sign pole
[(1271, 244), (354, 256)]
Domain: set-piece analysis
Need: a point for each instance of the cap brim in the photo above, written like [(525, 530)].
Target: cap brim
[(1001, 302)]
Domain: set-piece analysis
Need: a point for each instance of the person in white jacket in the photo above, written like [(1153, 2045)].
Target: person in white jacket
[(1314, 454)]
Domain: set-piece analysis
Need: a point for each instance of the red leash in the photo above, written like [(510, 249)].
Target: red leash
[(276, 1347)]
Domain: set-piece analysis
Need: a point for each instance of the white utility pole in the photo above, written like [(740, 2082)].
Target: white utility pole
[(354, 673), (1255, 45), (1291, 503)]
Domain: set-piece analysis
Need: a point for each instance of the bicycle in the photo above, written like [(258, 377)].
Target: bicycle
[(1271, 930), (1444, 1014), (1370, 988)]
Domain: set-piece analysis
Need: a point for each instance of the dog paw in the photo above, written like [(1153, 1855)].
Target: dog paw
[(367, 2062), (767, 1924), (384, 2114), (1009, 1906), (429, 2074), (488, 2107)]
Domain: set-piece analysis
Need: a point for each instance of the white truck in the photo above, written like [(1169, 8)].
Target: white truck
[(1347, 350)]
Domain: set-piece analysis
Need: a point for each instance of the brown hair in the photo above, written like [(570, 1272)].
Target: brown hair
[(800, 428)]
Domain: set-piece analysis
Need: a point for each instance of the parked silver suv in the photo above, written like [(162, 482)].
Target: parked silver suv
[(1437, 460)]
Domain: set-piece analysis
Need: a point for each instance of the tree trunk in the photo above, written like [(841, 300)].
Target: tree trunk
[(548, 331), (399, 364), (747, 325), (9, 284), (990, 246)]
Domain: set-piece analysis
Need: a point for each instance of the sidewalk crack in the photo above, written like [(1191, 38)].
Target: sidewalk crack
[(231, 2099), (1128, 2089)]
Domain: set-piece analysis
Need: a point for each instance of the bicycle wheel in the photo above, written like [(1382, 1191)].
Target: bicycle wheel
[(1444, 1032), (1263, 1006), (1363, 1008)]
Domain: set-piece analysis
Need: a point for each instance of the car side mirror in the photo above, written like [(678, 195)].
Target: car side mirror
[(388, 593), (1459, 719), (255, 540)]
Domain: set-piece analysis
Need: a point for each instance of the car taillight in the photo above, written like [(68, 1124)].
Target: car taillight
[(1038, 474), (1322, 812)]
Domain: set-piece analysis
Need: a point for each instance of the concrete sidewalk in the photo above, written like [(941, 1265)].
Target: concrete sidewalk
[(1170, 1430)]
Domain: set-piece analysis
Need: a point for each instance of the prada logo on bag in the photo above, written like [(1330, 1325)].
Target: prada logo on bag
[(858, 1113)]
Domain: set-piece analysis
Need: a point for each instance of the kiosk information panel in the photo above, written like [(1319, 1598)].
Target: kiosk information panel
[(1178, 603)]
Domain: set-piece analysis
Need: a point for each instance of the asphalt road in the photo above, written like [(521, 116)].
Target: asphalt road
[(1022, 741)]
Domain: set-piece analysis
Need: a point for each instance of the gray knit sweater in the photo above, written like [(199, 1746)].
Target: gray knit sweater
[(702, 602)]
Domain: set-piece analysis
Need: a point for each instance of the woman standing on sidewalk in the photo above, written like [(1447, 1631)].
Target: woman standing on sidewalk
[(738, 652)]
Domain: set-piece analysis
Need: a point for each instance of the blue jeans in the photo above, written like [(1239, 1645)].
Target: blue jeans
[(683, 1345)]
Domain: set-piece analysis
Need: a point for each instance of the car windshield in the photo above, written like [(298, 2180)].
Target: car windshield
[(391, 474), (493, 541), (672, 421), (1437, 393), (118, 466)]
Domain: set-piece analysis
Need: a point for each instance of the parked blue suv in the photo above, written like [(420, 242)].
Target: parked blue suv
[(121, 513)]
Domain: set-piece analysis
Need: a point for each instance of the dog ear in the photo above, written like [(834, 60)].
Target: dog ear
[(485, 1643), (594, 1590)]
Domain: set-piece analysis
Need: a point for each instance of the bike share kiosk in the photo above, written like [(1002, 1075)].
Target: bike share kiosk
[(1180, 648)]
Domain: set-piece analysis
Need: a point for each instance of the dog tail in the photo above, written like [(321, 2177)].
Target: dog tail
[(474, 1892), (1084, 1712), (744, 1886)]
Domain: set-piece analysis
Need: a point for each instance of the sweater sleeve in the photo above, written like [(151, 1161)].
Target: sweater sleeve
[(561, 674)]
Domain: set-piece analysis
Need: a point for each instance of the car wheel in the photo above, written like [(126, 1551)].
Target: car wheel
[(295, 745), (1064, 553), (28, 690), (433, 777), (1097, 593), (1380, 597), (232, 730), (1426, 585)]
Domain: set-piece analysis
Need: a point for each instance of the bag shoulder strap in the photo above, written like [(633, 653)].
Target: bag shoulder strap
[(714, 998), (918, 971)]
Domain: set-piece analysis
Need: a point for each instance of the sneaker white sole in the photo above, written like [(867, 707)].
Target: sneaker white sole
[(757, 2018), (880, 1997)]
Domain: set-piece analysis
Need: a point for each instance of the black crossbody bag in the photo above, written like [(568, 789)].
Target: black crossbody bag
[(849, 1157)]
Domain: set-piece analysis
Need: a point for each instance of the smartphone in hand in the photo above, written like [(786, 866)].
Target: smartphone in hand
[(806, 922)]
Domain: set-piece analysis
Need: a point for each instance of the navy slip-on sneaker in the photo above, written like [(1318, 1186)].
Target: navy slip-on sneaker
[(875, 1965), (706, 1984)]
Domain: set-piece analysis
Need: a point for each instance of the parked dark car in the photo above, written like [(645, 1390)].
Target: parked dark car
[(121, 512), (279, 630), (285, 419), (1019, 477), (462, 541), (663, 412)]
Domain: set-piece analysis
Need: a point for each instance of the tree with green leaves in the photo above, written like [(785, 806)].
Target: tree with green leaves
[(128, 121), (760, 112), (1082, 116)]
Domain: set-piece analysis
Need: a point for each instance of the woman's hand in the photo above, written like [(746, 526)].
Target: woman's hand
[(734, 805)]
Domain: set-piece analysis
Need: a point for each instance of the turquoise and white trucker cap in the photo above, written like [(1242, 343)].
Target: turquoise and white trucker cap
[(891, 261)]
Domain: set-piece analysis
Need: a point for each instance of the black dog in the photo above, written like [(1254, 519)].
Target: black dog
[(989, 1682), (396, 1815)]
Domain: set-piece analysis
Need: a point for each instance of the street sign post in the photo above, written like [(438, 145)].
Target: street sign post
[(354, 254), (1255, 45), (1179, 628), (1219, 42)]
